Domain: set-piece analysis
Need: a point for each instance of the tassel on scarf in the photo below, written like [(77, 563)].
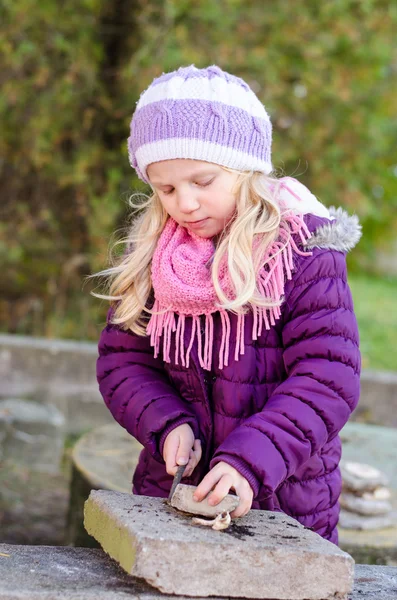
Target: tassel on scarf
[(270, 282)]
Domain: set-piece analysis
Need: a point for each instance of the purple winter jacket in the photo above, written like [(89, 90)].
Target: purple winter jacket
[(276, 413)]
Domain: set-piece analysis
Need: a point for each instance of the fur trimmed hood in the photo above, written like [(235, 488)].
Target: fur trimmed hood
[(342, 233)]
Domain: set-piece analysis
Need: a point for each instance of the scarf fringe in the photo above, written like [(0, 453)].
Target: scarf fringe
[(270, 283)]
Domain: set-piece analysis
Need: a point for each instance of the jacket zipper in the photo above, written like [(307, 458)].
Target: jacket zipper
[(204, 386)]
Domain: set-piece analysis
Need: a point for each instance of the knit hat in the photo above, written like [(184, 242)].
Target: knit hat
[(203, 114)]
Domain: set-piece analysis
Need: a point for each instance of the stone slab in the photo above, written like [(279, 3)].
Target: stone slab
[(63, 573), (182, 499), (263, 555)]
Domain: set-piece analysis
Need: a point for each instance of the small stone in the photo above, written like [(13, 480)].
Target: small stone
[(183, 500), (365, 506), (381, 493), (361, 477), (349, 520)]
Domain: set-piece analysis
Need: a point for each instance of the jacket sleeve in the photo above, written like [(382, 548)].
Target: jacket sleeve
[(322, 362), (137, 390)]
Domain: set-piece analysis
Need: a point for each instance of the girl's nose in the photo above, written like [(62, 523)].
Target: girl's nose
[(187, 202)]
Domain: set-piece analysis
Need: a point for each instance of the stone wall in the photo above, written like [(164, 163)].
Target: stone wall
[(56, 372), (62, 373)]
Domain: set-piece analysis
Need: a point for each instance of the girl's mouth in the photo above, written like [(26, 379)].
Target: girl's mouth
[(197, 224)]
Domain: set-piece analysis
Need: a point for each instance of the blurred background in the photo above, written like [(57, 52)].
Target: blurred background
[(71, 74)]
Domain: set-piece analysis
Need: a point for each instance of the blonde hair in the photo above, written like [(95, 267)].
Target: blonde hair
[(257, 218)]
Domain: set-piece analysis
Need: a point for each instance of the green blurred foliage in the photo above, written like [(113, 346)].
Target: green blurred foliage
[(72, 72), (378, 328)]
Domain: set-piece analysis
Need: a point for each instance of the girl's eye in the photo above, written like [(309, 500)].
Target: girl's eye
[(168, 192), (205, 184)]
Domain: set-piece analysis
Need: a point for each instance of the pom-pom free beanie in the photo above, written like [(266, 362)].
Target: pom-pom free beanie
[(203, 114)]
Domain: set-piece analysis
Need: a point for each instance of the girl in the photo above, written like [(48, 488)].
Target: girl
[(231, 343)]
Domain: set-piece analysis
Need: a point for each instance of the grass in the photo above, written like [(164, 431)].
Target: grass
[(375, 304)]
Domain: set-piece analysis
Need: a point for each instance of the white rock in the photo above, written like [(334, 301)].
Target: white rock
[(361, 477), (349, 520), (381, 493), (183, 500), (365, 506)]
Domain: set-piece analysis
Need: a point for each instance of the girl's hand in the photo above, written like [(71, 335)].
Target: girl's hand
[(180, 448), (221, 479)]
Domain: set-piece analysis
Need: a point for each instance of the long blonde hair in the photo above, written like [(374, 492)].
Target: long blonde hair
[(257, 217)]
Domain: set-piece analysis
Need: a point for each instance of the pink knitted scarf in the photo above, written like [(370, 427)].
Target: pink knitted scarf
[(182, 283)]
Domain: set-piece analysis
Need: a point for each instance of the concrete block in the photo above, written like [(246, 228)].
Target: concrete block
[(263, 555), (64, 573), (31, 434), (183, 500), (56, 372)]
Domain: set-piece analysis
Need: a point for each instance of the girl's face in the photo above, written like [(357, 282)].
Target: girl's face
[(196, 194)]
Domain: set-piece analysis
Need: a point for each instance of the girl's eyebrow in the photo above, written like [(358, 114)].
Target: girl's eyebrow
[(192, 176)]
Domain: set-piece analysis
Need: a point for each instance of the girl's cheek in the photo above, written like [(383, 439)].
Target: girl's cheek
[(168, 207)]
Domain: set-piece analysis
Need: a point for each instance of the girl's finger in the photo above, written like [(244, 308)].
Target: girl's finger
[(221, 490), (242, 509), (191, 464), (194, 458), (170, 449), (246, 495), (197, 449), (209, 481), (183, 452)]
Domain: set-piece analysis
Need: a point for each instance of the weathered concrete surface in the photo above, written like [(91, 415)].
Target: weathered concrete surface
[(33, 484), (182, 499), (33, 434), (57, 372), (263, 555), (33, 506), (59, 573)]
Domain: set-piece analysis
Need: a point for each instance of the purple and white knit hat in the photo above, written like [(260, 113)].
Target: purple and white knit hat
[(203, 114)]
